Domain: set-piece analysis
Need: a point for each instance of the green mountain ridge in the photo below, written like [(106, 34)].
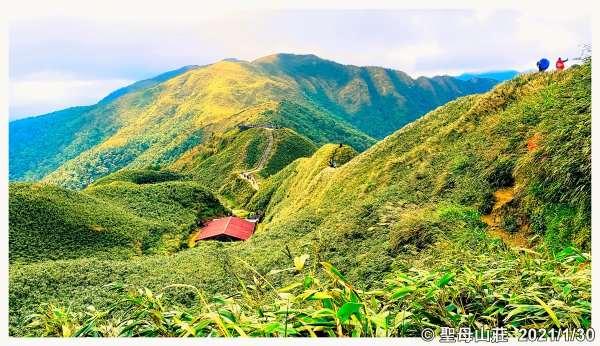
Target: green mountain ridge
[(410, 205), (354, 92), (455, 157), (147, 82), (240, 152), (160, 122)]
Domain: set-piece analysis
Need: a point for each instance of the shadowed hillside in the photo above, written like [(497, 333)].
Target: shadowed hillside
[(376, 100)]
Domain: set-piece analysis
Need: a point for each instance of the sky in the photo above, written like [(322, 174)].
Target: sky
[(70, 56)]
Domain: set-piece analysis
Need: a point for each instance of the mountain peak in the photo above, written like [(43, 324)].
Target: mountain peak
[(291, 57), (233, 60), (148, 82), (168, 116)]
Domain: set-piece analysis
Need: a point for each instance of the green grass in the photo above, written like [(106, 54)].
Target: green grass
[(319, 124), (287, 147), (218, 165), (404, 213), (375, 100), (466, 280), (240, 151), (141, 176), (172, 203), (457, 155), (119, 220)]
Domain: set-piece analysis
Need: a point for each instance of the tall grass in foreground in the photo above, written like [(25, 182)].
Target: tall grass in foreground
[(514, 289)]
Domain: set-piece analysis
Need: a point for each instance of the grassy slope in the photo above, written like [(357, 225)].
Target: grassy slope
[(218, 166), (220, 172), (173, 204), (161, 122), (307, 118), (287, 147), (457, 156), (465, 280), (170, 122), (309, 174), (118, 220), (141, 176), (147, 82), (395, 206), (50, 223)]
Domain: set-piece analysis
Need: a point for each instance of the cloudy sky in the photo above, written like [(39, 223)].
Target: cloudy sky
[(67, 56)]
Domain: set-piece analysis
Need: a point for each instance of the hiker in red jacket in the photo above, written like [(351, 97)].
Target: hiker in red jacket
[(560, 64)]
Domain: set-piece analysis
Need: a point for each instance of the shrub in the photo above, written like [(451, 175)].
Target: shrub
[(409, 302), (417, 227), (509, 224)]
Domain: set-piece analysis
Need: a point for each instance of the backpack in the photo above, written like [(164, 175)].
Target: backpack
[(543, 64), (560, 65)]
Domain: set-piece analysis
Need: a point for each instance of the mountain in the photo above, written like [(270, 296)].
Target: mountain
[(148, 82), (160, 122), (376, 100), (528, 138), (483, 203), (497, 75), (218, 165)]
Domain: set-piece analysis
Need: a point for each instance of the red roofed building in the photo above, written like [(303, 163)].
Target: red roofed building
[(227, 229)]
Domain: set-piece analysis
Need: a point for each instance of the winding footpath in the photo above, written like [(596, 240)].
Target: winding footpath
[(262, 162)]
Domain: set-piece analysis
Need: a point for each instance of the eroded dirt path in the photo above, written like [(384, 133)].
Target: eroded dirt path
[(517, 239)]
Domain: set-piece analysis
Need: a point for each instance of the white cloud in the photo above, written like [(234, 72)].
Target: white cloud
[(46, 92), (102, 48), (409, 55), (553, 34)]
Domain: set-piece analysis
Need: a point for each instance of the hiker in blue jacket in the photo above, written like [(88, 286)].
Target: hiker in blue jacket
[(543, 64)]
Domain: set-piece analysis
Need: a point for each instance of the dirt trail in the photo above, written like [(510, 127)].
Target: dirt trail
[(518, 239), (250, 179), (265, 155), (262, 162)]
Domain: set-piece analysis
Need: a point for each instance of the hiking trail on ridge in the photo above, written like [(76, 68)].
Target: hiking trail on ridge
[(262, 162)]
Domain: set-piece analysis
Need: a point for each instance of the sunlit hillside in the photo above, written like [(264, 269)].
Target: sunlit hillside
[(478, 214), (159, 122), (218, 165), (116, 220)]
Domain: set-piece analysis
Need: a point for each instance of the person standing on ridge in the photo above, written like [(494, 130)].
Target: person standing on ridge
[(560, 64), (543, 64)]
